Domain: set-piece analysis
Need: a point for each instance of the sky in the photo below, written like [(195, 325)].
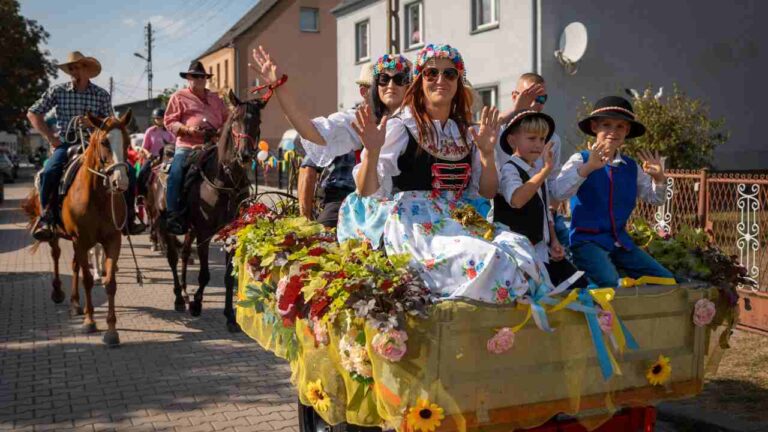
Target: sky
[(112, 30)]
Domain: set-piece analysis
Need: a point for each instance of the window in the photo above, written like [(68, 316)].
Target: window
[(226, 73), (485, 14), (362, 35), (487, 98), (414, 25), (210, 72), (218, 75), (309, 19)]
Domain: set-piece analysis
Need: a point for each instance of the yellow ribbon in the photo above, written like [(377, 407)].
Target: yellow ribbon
[(288, 155), (629, 282)]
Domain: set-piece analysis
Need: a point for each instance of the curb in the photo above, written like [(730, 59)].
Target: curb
[(691, 418)]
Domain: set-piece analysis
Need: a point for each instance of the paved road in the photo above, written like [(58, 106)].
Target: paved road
[(171, 372)]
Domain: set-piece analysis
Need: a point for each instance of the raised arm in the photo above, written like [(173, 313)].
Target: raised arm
[(485, 140), (267, 71), (373, 136)]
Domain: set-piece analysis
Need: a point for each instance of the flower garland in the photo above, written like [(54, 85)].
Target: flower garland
[(438, 51), (395, 62)]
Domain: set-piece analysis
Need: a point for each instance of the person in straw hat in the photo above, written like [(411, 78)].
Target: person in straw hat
[(71, 99)]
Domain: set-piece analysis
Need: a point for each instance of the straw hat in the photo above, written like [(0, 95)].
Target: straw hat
[(90, 64), (366, 75)]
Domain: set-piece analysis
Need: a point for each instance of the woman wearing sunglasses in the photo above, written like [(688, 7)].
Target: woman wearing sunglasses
[(422, 178)]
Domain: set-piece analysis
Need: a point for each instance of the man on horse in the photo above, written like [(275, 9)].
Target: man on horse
[(194, 115), (72, 99)]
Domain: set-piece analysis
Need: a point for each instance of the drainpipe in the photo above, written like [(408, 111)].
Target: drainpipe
[(536, 36), (236, 66)]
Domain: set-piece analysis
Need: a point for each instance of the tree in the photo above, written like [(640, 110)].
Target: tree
[(165, 96), (25, 70), (677, 126)]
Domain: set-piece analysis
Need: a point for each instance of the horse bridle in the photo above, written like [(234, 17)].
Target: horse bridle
[(106, 172)]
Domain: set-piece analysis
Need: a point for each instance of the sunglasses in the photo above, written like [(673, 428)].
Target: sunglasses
[(399, 79), (541, 99), (431, 74)]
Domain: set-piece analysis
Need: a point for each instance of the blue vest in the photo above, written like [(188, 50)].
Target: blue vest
[(603, 204)]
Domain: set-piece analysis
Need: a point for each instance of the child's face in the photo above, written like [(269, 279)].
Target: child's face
[(611, 131), (528, 146)]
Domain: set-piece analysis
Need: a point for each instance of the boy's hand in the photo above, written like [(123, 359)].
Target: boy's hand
[(371, 134), (485, 137), (652, 165), (556, 250), (526, 97), (549, 157), (598, 158)]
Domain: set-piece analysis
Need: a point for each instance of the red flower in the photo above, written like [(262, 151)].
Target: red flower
[(289, 297), (290, 240), (319, 306), (254, 262), (429, 264), (316, 251), (386, 285), (471, 273), (427, 226), (305, 267), (399, 66), (502, 294)]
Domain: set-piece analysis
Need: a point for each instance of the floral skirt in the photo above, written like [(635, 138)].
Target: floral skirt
[(455, 261)]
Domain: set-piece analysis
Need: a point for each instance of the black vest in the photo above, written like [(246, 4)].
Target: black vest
[(415, 165), (526, 220)]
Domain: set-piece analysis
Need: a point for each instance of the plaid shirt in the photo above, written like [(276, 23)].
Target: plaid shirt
[(337, 175), (70, 103)]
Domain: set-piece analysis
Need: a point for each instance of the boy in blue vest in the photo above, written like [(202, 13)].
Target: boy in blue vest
[(604, 186), (522, 202)]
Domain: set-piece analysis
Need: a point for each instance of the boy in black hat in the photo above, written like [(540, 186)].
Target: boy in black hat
[(604, 186), (522, 201)]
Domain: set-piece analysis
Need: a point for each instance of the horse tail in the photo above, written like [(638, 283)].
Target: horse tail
[(31, 206)]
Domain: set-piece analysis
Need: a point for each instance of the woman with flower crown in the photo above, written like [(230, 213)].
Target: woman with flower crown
[(423, 186)]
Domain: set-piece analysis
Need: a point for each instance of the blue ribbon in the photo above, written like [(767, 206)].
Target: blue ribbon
[(603, 357)]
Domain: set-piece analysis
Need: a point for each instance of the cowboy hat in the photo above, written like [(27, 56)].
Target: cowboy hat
[(366, 75), (90, 64), (615, 107), (196, 69), (517, 117)]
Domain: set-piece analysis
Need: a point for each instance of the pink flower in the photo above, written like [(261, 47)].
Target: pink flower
[(502, 295), (390, 344), (320, 331), (501, 341), (703, 312), (605, 319)]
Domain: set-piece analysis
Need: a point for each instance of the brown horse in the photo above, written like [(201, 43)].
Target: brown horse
[(212, 202), (93, 212)]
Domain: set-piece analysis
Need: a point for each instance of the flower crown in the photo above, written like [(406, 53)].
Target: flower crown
[(393, 62), (438, 51)]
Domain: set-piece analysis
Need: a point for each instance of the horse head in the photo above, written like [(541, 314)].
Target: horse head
[(245, 127), (107, 151)]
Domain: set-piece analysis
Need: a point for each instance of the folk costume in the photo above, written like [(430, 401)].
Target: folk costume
[(602, 203)]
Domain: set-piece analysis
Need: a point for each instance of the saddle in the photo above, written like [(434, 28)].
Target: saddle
[(71, 168), (193, 168)]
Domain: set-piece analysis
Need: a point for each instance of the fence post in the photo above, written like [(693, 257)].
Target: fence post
[(703, 197)]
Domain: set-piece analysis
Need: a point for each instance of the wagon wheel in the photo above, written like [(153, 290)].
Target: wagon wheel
[(310, 421), (280, 203)]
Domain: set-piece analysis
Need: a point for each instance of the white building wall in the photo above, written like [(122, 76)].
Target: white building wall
[(492, 57)]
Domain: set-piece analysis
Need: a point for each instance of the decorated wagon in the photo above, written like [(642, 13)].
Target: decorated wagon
[(370, 346)]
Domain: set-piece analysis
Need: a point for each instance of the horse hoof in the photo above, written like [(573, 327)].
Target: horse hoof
[(89, 328), (57, 296), (180, 306), (233, 327), (111, 338), (195, 308), (75, 310)]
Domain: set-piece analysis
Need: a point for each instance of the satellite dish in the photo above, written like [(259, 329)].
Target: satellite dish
[(573, 45)]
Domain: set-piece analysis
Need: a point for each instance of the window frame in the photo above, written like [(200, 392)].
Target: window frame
[(494, 88), (475, 26), (316, 12), (367, 57), (406, 26)]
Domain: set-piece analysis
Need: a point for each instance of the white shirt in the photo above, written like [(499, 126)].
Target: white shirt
[(509, 182), (502, 157), (340, 138), (396, 141), (568, 181)]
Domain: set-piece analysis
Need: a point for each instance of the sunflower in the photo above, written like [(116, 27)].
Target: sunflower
[(317, 397), (425, 416), (659, 372)]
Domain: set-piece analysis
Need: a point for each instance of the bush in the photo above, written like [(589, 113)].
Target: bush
[(677, 126)]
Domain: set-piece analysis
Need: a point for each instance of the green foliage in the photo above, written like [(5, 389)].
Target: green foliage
[(677, 126), (24, 69), (165, 96)]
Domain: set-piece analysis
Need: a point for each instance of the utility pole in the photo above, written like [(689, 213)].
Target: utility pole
[(111, 88), (148, 59)]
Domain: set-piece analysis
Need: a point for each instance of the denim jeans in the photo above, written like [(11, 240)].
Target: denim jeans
[(602, 266), (561, 230), (51, 175), (176, 179)]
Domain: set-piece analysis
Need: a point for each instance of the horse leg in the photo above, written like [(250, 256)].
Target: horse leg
[(229, 284), (172, 255), (57, 294), (74, 298), (112, 253), (196, 305), (81, 255)]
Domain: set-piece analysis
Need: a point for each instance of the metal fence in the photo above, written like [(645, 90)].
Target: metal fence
[(732, 207)]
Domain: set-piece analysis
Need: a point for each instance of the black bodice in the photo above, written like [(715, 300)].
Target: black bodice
[(421, 171)]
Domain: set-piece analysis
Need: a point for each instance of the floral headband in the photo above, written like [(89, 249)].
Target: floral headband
[(393, 62), (438, 51)]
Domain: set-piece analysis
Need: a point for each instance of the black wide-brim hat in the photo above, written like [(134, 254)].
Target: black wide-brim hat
[(196, 69), (615, 107), (517, 117)]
